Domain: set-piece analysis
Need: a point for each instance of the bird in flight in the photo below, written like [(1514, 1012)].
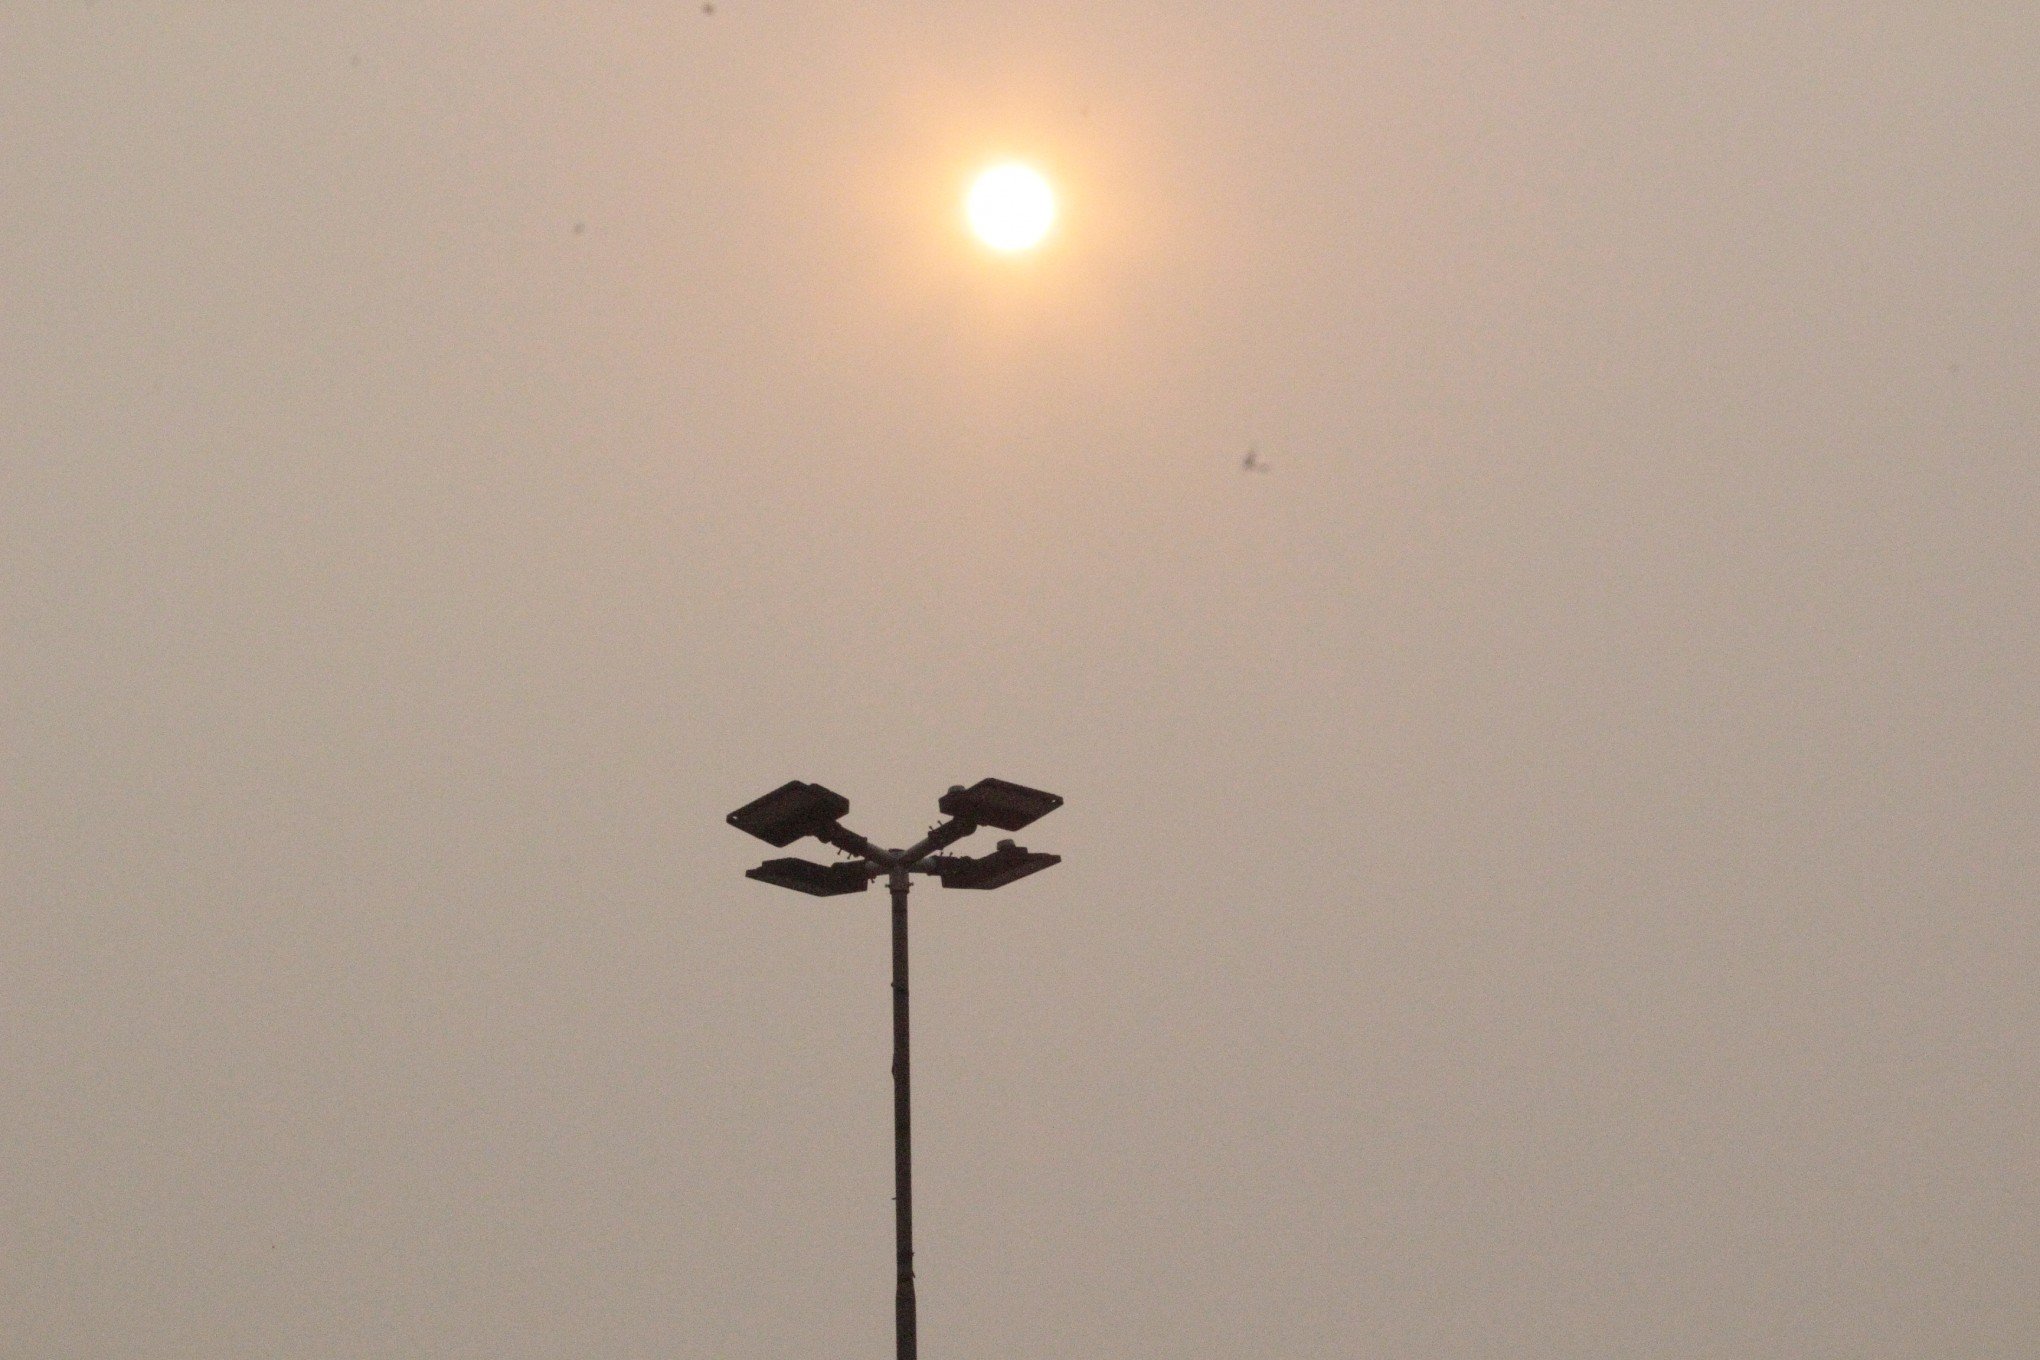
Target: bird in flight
[(1252, 462)]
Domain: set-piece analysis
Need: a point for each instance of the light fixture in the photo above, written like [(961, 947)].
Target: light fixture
[(794, 810)]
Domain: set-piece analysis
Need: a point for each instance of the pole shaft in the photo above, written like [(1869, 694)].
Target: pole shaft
[(903, 1171)]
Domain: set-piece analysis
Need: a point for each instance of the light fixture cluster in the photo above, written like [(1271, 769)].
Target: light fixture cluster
[(795, 810)]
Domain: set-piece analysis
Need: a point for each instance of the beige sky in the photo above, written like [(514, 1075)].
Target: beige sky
[(1549, 868)]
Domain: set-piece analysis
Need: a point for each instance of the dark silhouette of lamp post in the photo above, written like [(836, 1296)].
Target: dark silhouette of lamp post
[(794, 810)]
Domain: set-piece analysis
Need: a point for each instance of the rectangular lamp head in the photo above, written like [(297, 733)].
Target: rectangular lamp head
[(997, 869), (995, 802), (789, 812), (817, 880)]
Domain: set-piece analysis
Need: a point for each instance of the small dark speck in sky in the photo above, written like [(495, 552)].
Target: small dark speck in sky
[(580, 228), (708, 8)]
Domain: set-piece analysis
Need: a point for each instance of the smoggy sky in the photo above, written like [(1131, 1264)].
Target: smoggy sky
[(1549, 867)]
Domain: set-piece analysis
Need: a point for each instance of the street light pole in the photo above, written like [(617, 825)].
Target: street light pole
[(795, 810), (903, 1150)]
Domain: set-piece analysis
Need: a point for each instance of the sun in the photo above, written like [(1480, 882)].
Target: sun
[(1010, 207)]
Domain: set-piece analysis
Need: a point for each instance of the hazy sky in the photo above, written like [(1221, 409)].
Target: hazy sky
[(1549, 868)]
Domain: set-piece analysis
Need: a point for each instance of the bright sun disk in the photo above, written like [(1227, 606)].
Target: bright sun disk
[(1010, 206)]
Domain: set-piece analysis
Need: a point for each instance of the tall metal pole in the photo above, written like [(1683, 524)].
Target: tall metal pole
[(903, 1170), (795, 810)]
